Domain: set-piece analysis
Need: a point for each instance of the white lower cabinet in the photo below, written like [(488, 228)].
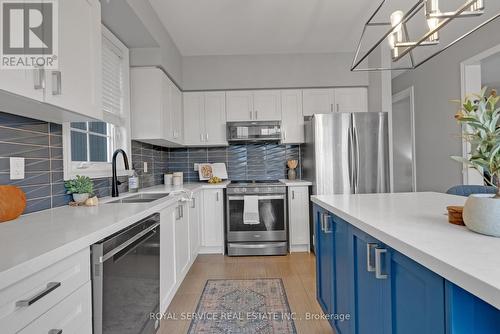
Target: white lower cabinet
[(182, 248), (213, 221), (194, 223), (167, 256), (33, 296), (72, 315), (298, 211)]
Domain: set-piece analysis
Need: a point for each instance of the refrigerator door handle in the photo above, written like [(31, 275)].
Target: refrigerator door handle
[(356, 159), (350, 161)]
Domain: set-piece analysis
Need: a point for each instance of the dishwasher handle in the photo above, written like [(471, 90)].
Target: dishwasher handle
[(127, 243)]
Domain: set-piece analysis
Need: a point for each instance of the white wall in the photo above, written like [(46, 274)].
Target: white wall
[(169, 54), (437, 133), (270, 71)]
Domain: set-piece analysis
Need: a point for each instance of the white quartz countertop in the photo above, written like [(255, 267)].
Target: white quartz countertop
[(415, 224), (295, 183), (36, 240)]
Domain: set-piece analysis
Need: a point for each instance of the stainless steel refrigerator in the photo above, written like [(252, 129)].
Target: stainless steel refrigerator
[(347, 153)]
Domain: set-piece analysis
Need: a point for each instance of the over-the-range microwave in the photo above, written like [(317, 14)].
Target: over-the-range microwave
[(258, 131)]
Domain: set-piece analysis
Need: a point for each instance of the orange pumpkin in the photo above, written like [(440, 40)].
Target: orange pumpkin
[(12, 203)]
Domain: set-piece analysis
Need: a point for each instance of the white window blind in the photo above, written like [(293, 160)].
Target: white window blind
[(112, 78)]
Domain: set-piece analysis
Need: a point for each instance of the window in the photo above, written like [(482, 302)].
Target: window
[(89, 146)]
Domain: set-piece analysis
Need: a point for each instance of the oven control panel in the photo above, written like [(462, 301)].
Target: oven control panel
[(278, 189)]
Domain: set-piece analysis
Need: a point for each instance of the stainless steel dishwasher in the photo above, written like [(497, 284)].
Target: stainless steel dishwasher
[(126, 279)]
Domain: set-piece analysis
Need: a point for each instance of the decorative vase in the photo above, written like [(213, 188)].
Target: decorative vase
[(80, 198), (482, 214), (292, 174)]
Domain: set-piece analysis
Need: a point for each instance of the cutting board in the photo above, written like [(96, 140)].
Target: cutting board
[(207, 171)]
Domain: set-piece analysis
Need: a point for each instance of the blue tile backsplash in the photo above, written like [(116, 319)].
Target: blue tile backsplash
[(244, 162), (40, 143)]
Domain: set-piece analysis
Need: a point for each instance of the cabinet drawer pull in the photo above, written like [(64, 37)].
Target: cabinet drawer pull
[(39, 78), (378, 263), (369, 261), (293, 194), (251, 115), (193, 203), (27, 302), (55, 331)]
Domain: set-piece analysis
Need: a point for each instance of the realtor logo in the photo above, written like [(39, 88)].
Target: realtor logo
[(28, 34)]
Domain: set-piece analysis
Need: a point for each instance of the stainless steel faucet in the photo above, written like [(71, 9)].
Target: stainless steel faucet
[(114, 182)]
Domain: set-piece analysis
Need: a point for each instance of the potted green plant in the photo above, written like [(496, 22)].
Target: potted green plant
[(480, 115), (81, 188)]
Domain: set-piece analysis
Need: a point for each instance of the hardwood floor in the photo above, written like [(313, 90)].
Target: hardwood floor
[(297, 271)]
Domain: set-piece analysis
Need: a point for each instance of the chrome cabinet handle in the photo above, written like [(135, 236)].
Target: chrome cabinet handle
[(293, 194), (206, 137), (284, 134), (322, 222), (39, 78), (193, 203), (338, 107), (51, 286), (378, 263), (217, 196), (251, 115), (256, 114), (369, 247), (327, 220), (201, 136), (56, 83), (331, 107), (55, 331)]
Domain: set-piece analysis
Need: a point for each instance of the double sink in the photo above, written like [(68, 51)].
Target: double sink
[(139, 198)]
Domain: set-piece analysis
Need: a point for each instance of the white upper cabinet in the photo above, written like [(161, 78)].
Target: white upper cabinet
[(205, 118), (239, 106), (155, 107), (267, 105), (259, 105), (194, 118), (323, 101), (318, 101), (73, 92), (351, 99), (76, 86), (292, 126), (215, 118)]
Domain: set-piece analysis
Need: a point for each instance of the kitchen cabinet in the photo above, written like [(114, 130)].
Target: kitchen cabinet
[(36, 296), (167, 256), (353, 99), (156, 107), (324, 101), (72, 315), (194, 223), (182, 247), (325, 274), (213, 221), (205, 119), (298, 218), (259, 105), (382, 290), (292, 124), (76, 85), (371, 297), (73, 91)]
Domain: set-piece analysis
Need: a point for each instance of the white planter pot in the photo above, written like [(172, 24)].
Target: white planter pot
[(80, 198), (482, 214)]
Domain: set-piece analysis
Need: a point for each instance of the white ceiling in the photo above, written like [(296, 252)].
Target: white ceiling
[(244, 27)]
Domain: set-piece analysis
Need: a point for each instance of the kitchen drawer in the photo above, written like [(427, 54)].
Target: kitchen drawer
[(72, 315), (71, 273)]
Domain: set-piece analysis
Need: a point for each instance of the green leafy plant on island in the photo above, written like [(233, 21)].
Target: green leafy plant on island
[(80, 185), (480, 115)]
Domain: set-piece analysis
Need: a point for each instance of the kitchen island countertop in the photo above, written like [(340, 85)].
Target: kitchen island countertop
[(416, 225)]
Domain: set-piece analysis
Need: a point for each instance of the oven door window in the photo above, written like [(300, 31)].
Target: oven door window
[(271, 215)]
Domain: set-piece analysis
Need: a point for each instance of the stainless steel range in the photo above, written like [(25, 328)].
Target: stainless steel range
[(265, 232)]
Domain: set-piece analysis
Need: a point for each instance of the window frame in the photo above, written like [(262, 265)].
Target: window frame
[(120, 135)]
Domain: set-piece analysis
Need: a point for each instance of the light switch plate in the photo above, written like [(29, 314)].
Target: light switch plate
[(196, 167), (16, 168), (145, 167)]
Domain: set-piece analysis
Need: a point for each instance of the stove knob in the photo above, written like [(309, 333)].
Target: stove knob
[(256, 190), (244, 190)]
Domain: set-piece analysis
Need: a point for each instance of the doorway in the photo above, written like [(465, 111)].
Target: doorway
[(403, 176)]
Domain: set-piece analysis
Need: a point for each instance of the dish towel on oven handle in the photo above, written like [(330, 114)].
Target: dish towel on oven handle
[(251, 210)]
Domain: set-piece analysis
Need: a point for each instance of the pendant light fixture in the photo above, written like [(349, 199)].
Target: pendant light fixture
[(398, 35)]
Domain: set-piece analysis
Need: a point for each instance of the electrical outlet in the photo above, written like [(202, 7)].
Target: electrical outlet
[(16, 168), (196, 167), (145, 167)]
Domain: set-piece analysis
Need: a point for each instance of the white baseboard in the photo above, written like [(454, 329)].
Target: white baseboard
[(299, 248), (211, 250)]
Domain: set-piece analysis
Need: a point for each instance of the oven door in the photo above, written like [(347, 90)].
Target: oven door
[(272, 217)]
